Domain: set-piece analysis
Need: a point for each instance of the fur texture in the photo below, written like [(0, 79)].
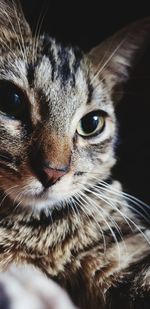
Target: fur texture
[(79, 230)]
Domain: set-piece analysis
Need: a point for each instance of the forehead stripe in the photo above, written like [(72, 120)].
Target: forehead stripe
[(48, 51), (90, 91), (30, 74), (64, 67), (78, 56)]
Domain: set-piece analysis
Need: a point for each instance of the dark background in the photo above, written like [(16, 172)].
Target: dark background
[(86, 24), (83, 23)]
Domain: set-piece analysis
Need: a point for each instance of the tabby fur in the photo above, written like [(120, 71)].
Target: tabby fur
[(81, 232)]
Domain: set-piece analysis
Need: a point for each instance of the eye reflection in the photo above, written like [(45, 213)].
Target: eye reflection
[(91, 124), (12, 102)]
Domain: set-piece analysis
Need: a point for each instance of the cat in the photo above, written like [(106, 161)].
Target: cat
[(61, 210)]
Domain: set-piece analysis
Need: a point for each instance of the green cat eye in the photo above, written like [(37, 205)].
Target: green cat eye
[(91, 124), (11, 100)]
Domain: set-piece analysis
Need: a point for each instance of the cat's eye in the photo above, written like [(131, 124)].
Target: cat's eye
[(12, 101), (91, 124)]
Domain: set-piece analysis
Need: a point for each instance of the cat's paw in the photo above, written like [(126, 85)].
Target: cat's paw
[(25, 287)]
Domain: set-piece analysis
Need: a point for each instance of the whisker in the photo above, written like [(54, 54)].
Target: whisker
[(74, 207), (125, 195), (7, 193), (21, 35), (105, 55), (109, 58), (106, 200), (126, 218), (128, 205), (13, 29), (98, 208), (8, 47), (111, 230), (111, 219), (86, 210), (37, 33), (18, 195)]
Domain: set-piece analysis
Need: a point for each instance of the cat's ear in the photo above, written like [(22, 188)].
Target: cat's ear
[(113, 59), (12, 20)]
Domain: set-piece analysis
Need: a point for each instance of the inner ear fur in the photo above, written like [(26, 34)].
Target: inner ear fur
[(113, 59)]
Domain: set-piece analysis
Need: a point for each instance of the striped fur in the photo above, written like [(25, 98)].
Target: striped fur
[(81, 231)]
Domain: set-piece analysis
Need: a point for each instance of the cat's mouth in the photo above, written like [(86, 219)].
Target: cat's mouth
[(38, 197), (44, 200)]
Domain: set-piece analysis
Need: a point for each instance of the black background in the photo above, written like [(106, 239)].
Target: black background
[(86, 24), (83, 23)]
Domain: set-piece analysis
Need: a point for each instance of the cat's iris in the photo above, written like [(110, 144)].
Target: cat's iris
[(11, 100), (91, 124)]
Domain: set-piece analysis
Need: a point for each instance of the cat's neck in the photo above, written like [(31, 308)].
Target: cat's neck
[(62, 238), (73, 247)]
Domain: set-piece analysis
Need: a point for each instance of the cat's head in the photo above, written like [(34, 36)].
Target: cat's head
[(57, 110)]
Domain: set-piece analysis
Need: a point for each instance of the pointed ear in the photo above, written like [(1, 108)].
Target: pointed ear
[(12, 20), (113, 59)]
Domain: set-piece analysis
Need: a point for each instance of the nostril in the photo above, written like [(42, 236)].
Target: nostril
[(54, 174)]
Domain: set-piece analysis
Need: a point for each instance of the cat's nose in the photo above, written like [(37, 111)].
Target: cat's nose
[(54, 174)]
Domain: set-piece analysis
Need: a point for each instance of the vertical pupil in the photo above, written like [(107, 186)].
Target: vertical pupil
[(16, 99), (12, 102), (90, 123)]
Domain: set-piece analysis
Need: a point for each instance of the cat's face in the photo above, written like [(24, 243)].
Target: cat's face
[(57, 118), (53, 113)]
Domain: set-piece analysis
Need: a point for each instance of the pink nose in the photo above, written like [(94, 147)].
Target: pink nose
[(54, 174)]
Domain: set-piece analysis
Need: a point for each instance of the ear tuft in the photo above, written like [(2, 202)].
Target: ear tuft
[(118, 54)]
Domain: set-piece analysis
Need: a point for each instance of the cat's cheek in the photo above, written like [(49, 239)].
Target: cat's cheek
[(13, 127)]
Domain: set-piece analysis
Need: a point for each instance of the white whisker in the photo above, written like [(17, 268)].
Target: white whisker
[(109, 58), (123, 202), (8, 47), (75, 209), (37, 35), (127, 219), (7, 193), (13, 29), (82, 204), (100, 210)]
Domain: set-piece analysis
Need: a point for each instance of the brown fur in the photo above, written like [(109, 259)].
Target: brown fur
[(78, 231)]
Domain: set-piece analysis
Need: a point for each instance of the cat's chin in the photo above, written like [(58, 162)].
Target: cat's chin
[(40, 203), (47, 201)]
